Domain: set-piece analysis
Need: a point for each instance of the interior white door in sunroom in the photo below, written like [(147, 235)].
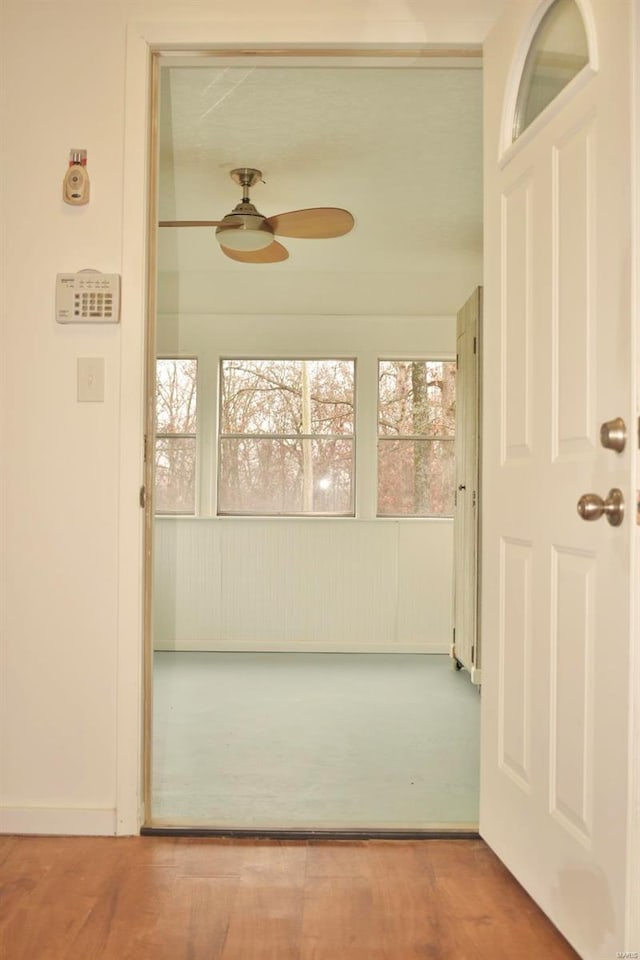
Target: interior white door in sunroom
[(556, 598)]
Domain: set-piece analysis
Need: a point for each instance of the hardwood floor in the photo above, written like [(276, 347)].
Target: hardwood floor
[(157, 898)]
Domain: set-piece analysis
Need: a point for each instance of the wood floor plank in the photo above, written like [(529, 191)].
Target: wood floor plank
[(194, 899), (349, 858), (266, 922), (473, 925), (402, 898), (20, 874), (181, 918), (45, 922), (7, 843), (41, 921), (339, 921), (209, 858)]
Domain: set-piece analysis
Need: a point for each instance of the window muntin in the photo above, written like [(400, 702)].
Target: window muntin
[(286, 437), (416, 438), (558, 52), (175, 437)]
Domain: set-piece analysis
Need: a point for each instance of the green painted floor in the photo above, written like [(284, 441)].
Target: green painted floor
[(268, 740)]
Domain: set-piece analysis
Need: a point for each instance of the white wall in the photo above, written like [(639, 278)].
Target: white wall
[(71, 544), (294, 583)]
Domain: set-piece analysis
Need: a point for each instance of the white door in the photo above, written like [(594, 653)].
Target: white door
[(466, 649), (557, 590)]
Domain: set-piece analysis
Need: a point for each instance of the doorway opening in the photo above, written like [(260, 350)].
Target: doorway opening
[(298, 663)]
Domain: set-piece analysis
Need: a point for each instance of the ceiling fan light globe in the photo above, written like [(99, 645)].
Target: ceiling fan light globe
[(244, 232)]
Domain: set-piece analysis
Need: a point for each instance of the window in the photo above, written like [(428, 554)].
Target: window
[(558, 52), (175, 439), (416, 433), (286, 437)]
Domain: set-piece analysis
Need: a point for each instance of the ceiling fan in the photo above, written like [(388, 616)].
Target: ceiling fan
[(246, 235)]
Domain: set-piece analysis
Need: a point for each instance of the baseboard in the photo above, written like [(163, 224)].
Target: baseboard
[(296, 646), (58, 821)]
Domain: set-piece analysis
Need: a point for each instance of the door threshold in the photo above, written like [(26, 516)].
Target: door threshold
[(465, 832)]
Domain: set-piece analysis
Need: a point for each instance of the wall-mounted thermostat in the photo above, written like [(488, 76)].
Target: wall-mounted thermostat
[(88, 297)]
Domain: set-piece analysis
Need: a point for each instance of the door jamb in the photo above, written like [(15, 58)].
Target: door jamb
[(144, 42)]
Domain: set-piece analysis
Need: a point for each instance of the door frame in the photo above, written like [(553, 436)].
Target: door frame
[(286, 36), (144, 51)]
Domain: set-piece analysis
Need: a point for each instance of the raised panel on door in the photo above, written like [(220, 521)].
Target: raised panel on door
[(574, 248), (517, 392), (515, 645)]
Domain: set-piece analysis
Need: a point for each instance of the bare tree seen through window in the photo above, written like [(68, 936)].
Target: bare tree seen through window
[(175, 439), (416, 433), (286, 443)]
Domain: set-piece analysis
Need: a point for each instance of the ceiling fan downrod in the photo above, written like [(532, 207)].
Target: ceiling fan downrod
[(246, 177), (245, 229)]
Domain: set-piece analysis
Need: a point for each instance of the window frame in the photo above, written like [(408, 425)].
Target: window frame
[(220, 436), (525, 83)]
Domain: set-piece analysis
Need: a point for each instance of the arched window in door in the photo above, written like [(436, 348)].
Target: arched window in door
[(558, 52)]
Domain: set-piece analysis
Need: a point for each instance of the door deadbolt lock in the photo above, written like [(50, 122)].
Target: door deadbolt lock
[(613, 434), (592, 507)]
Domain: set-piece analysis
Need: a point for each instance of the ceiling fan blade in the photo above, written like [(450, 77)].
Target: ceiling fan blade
[(274, 253), (315, 223), (196, 223)]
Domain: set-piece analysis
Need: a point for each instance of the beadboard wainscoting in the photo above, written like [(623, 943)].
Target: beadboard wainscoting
[(303, 584)]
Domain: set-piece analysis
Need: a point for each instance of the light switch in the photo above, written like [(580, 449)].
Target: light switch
[(90, 379)]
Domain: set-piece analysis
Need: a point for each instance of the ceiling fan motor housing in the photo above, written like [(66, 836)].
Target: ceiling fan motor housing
[(244, 229)]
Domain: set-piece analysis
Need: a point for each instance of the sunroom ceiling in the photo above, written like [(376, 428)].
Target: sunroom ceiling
[(400, 147)]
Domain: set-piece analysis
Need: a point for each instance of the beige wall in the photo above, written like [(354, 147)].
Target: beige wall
[(71, 543)]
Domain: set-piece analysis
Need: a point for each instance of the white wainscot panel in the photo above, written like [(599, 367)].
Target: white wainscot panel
[(308, 581), (516, 311), (299, 584), (571, 721), (515, 660), (574, 239), (186, 588), (425, 583)]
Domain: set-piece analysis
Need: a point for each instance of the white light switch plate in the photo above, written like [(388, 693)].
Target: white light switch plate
[(90, 379)]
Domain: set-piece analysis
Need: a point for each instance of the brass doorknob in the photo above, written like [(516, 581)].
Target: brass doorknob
[(592, 507)]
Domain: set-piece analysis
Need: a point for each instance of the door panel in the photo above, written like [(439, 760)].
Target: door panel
[(574, 246), (514, 681), (557, 590), (571, 682), (517, 403)]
